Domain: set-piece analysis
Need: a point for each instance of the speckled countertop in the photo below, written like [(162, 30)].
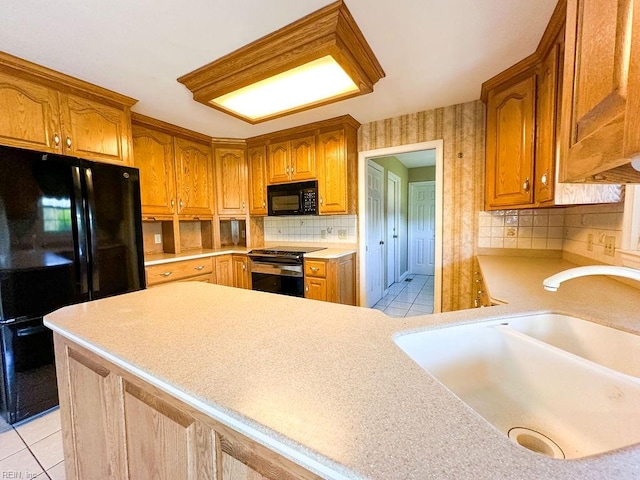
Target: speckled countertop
[(162, 258), (326, 386)]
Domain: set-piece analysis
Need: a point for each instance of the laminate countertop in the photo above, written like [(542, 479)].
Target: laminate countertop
[(163, 258), (326, 386)]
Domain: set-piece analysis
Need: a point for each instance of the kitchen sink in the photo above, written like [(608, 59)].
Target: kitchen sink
[(555, 384)]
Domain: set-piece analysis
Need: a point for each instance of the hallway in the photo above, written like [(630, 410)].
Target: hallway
[(413, 296)]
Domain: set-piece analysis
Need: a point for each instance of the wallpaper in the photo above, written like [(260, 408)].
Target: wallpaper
[(461, 127)]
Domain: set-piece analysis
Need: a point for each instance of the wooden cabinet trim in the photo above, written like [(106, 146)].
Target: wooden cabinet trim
[(168, 128), (159, 405), (24, 69), (87, 362)]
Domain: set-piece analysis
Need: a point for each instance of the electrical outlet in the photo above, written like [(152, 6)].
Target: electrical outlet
[(342, 234), (157, 238), (609, 245), (323, 233), (590, 242)]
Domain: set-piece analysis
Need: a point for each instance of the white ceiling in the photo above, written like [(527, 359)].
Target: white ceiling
[(434, 52)]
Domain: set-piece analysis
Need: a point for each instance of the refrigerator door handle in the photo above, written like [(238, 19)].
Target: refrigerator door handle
[(93, 236), (82, 246)]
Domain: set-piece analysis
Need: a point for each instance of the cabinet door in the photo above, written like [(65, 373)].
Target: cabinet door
[(29, 115), (316, 289), (257, 157), (303, 158), (224, 270), (231, 177), (94, 131), (601, 46), (510, 144), (195, 192), (332, 172), (279, 162), (548, 89), (153, 155), (94, 404), (163, 441), (241, 272)]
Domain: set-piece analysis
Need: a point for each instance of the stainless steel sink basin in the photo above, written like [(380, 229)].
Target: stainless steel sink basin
[(555, 384)]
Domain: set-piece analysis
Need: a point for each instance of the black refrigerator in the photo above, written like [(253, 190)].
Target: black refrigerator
[(70, 232)]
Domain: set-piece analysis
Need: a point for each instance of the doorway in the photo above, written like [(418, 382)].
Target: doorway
[(369, 269)]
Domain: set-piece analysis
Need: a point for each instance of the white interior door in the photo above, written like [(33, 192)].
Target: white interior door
[(374, 233), (422, 231), (393, 214)]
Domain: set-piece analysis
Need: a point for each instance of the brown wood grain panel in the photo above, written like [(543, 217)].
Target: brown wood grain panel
[(153, 154), (257, 160), (195, 178)]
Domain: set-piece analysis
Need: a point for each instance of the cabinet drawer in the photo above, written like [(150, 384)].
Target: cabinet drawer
[(168, 272), (313, 268)]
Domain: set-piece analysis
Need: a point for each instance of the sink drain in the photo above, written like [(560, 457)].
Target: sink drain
[(536, 442)]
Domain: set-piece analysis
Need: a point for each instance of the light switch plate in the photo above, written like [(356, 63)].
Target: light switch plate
[(342, 234), (157, 238)]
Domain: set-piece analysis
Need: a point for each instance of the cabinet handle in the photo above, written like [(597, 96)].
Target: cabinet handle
[(68, 142), (321, 201), (287, 170), (314, 269), (306, 288), (166, 274), (526, 185), (173, 203), (292, 170), (56, 139), (242, 205), (544, 179), (264, 204), (181, 204), (199, 267), (244, 266)]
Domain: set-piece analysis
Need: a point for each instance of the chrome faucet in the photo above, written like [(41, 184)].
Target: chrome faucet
[(553, 282)]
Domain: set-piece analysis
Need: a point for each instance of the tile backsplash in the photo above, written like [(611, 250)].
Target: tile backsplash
[(587, 228), (541, 229), (316, 229)]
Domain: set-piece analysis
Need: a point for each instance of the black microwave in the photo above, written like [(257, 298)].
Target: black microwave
[(299, 198)]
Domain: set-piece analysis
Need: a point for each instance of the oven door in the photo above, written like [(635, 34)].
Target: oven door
[(274, 278)]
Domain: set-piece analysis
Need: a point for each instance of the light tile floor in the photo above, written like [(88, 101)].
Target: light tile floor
[(413, 296), (32, 449)]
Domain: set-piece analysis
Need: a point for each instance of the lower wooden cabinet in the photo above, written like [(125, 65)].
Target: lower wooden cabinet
[(224, 270), (200, 269), (331, 280), (115, 426), (241, 271)]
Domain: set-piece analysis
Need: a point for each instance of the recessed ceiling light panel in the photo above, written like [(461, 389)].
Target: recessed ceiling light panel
[(321, 58)]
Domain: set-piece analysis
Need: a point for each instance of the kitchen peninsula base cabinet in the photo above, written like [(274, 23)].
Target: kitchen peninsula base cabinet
[(116, 426)]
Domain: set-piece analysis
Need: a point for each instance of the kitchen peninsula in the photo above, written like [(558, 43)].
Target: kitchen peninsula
[(189, 379)]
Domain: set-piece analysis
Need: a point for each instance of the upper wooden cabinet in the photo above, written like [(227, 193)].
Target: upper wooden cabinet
[(44, 110), (154, 157), (522, 133), (231, 179), (326, 151), (195, 181), (292, 160), (601, 95), (257, 159), (176, 169), (510, 144)]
